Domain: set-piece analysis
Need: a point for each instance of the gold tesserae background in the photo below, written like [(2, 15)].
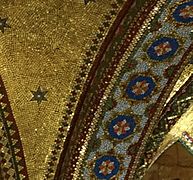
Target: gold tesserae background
[(44, 48)]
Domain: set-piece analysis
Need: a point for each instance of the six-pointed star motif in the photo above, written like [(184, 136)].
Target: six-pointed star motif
[(3, 24), (39, 95)]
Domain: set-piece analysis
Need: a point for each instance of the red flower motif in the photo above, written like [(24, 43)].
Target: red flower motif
[(163, 48), (121, 127), (140, 87), (106, 167), (187, 12)]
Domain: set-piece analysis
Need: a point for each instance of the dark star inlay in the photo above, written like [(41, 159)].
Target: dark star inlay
[(3, 24), (39, 95), (87, 1)]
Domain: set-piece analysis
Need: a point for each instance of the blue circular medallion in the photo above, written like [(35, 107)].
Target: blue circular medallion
[(140, 87), (106, 167), (184, 12), (121, 127), (162, 48)]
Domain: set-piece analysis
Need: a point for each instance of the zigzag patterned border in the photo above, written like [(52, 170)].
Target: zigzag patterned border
[(12, 158)]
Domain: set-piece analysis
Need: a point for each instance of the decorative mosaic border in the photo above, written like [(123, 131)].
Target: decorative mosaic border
[(119, 31), (11, 152), (104, 81), (179, 66), (87, 127), (170, 115), (125, 58), (161, 103), (90, 60)]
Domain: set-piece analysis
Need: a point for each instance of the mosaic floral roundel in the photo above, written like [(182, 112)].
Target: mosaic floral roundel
[(140, 87), (121, 127), (163, 48), (106, 167), (184, 13)]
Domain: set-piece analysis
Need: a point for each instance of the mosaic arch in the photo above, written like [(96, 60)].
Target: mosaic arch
[(126, 76), (127, 92)]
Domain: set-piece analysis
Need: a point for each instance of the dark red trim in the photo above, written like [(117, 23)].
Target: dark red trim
[(171, 80), (14, 127), (95, 100), (100, 91), (90, 78)]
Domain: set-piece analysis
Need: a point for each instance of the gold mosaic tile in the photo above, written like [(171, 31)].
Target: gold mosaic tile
[(44, 47)]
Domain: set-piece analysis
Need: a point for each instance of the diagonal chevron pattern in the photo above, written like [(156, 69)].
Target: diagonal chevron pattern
[(12, 159)]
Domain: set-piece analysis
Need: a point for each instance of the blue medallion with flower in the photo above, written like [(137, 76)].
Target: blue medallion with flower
[(140, 87), (184, 13), (163, 48), (106, 167), (121, 127)]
